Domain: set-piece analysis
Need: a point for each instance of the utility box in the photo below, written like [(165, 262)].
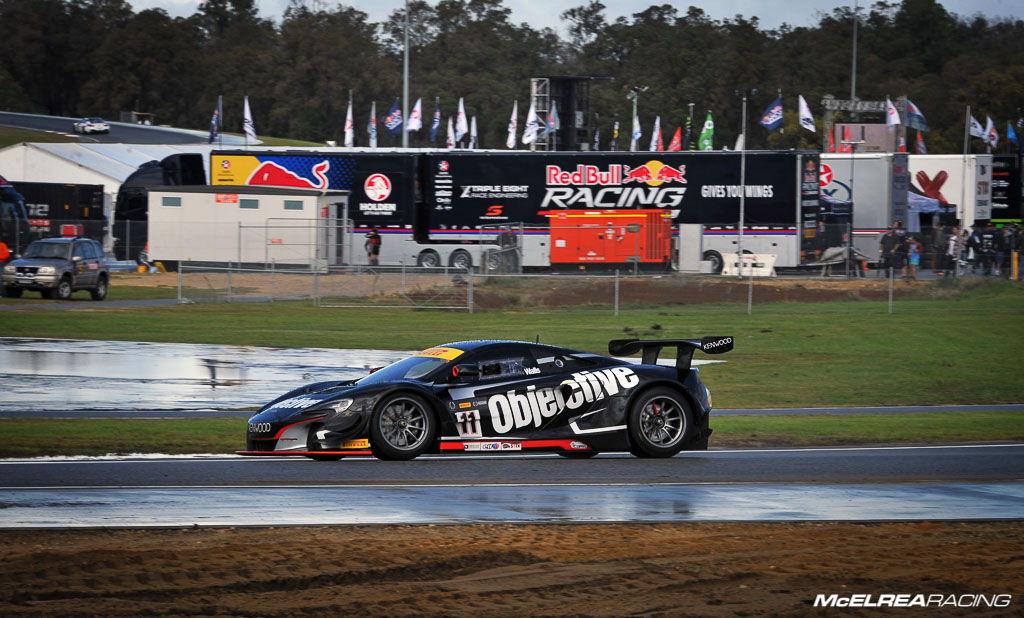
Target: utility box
[(604, 239)]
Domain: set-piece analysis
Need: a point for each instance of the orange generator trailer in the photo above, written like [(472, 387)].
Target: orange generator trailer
[(607, 239)]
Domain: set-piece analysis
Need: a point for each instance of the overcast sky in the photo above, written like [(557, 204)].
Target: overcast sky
[(545, 13)]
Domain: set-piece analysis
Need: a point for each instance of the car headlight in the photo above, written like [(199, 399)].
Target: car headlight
[(340, 405), (46, 270), (10, 268)]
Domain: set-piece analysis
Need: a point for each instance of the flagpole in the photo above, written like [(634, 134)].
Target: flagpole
[(743, 181), (967, 128), (405, 81), (245, 134)]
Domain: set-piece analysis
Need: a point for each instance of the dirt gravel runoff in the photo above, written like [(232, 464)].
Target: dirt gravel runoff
[(706, 569)]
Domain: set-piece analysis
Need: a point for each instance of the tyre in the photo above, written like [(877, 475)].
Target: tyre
[(100, 291), (716, 261), (13, 292), (659, 423), (577, 454), (63, 290), (402, 427), (46, 293), (428, 259), (461, 259)]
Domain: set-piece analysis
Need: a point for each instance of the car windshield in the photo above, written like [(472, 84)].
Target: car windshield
[(411, 368), (57, 250), (95, 119)]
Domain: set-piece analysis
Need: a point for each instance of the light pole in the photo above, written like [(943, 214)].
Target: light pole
[(405, 81), (743, 179)]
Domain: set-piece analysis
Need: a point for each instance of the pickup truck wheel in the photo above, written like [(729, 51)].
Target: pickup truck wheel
[(63, 289), (13, 292), (100, 291)]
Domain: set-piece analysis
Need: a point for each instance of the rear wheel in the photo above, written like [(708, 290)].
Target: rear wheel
[(659, 423), (100, 291), (461, 259), (716, 261), (402, 427), (428, 259)]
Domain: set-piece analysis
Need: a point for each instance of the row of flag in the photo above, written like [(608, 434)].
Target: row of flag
[(537, 126)]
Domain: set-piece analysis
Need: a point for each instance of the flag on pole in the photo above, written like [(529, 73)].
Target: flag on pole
[(991, 135), (513, 121), (215, 120), (677, 141), (552, 123), (392, 120), (248, 126), (472, 134), (688, 142), (901, 143), (656, 135), (976, 129), (350, 127), (740, 143), (450, 142), (892, 115), (915, 119), (435, 122), (532, 125), (615, 137), (771, 119), (1010, 133), (461, 122), (371, 127), (415, 117), (635, 138), (707, 135), (919, 146), (806, 119)]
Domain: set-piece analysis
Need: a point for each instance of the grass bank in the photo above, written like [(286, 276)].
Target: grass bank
[(962, 347), (34, 437), (11, 135)]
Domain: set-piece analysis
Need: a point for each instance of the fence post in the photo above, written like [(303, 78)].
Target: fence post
[(316, 287), (616, 292), (890, 288), (229, 283), (403, 276), (181, 267), (273, 281), (469, 291), (750, 288)]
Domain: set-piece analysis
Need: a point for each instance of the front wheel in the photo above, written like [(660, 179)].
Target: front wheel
[(63, 289), (403, 427), (659, 423), (428, 259), (13, 292)]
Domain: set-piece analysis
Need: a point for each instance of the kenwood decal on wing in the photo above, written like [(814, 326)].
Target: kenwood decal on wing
[(515, 410)]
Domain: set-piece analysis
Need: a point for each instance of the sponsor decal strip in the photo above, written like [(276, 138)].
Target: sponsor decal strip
[(303, 452), (569, 445)]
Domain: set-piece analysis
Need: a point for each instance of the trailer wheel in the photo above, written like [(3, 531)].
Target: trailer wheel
[(428, 259), (461, 259), (716, 261)]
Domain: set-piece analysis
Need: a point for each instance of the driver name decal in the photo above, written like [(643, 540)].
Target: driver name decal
[(515, 410)]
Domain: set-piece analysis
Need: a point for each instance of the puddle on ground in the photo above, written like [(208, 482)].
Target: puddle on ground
[(70, 374)]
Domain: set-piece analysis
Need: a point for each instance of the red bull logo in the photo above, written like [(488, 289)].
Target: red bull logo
[(273, 174), (572, 188)]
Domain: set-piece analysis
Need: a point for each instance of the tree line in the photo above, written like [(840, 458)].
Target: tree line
[(100, 57)]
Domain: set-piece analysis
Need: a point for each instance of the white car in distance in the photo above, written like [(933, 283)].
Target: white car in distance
[(91, 125)]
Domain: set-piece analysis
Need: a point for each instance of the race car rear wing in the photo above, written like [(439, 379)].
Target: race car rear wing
[(651, 348)]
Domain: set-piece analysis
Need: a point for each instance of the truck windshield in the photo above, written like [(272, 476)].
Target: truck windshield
[(412, 368), (47, 250)]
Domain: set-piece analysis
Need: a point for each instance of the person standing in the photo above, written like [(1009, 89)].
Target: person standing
[(372, 246), (914, 248), (954, 247), (987, 243), (887, 247)]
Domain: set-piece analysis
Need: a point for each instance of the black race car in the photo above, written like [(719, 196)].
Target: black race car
[(499, 396)]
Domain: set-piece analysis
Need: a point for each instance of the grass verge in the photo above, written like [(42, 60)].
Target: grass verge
[(11, 135), (39, 437)]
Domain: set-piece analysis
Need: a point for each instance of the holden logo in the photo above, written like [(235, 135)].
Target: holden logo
[(377, 187), (225, 164), (443, 166)]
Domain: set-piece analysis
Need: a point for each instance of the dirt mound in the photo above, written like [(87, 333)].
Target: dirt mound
[(709, 569)]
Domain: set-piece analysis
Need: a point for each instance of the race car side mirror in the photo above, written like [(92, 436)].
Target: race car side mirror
[(465, 371)]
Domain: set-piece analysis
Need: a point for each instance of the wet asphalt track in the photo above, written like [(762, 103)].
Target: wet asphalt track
[(874, 483)]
